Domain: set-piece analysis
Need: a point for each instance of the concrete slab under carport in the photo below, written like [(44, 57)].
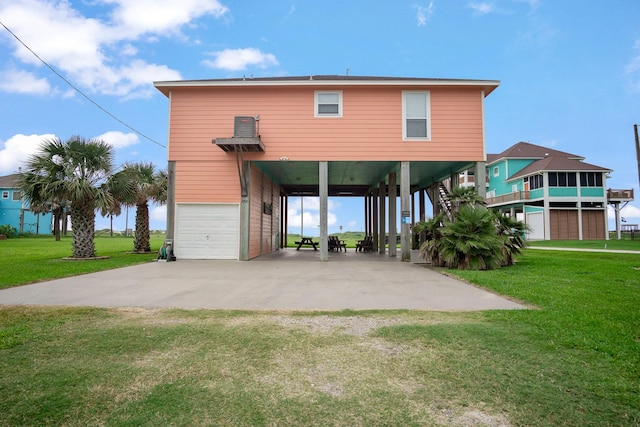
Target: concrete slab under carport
[(285, 280)]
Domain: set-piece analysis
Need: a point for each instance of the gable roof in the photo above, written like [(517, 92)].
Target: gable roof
[(9, 181), (328, 80), (544, 160)]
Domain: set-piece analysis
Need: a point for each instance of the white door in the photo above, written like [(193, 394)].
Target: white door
[(206, 231), (535, 221)]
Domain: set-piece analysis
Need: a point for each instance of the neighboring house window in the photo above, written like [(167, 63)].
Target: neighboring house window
[(562, 179), (416, 122), (591, 179), (17, 195), (535, 181), (328, 104), (496, 171), (5, 194), (514, 188)]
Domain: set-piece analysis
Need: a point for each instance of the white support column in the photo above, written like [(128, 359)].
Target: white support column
[(405, 229), (393, 230), (323, 183), (547, 211)]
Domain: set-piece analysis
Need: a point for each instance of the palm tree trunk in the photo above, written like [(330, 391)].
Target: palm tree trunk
[(141, 241), (83, 223)]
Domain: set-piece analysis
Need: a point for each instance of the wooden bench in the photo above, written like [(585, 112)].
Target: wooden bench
[(335, 244), (365, 245)]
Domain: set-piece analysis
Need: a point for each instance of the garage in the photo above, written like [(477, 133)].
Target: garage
[(206, 231), (564, 224), (535, 221)]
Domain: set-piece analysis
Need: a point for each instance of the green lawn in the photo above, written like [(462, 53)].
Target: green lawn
[(33, 259), (573, 360)]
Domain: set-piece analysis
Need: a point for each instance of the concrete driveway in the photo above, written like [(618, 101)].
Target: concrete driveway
[(286, 280)]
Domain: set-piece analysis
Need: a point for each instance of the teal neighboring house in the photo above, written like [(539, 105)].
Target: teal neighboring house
[(15, 212), (556, 194)]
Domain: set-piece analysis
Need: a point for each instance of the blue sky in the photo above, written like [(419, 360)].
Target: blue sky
[(569, 70)]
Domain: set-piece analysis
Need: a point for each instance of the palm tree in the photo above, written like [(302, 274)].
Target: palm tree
[(470, 241), (77, 171), (512, 232), (431, 230), (149, 185)]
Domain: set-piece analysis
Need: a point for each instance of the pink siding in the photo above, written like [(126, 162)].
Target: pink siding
[(370, 129), (204, 181)]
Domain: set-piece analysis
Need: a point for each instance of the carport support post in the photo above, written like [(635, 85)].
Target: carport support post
[(171, 200), (323, 190), (405, 183), (393, 231), (245, 215)]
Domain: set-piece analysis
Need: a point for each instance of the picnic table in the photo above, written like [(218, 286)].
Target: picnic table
[(307, 241)]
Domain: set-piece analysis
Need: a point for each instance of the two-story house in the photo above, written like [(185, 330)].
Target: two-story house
[(557, 194), (238, 148), (14, 210)]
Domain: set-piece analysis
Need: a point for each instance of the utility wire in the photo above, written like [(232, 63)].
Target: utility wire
[(79, 91)]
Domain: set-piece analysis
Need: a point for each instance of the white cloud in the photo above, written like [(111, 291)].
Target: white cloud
[(309, 215), (158, 213), (482, 8), (240, 59), (135, 18), (630, 213), (632, 69), (15, 151), (424, 14), (100, 54), (17, 81), (118, 139)]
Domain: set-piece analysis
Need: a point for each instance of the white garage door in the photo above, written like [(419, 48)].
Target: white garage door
[(206, 231), (535, 221)]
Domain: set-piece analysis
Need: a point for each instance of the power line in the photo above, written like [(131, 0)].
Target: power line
[(79, 91)]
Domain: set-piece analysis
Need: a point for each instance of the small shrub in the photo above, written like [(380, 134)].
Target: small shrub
[(7, 230)]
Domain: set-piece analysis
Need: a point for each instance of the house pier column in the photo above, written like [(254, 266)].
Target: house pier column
[(382, 219), (547, 212), (323, 183), (405, 183), (393, 232), (171, 201), (374, 220), (480, 172), (245, 214)]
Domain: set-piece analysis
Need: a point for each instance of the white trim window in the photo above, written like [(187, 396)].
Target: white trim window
[(416, 112), (496, 171), (5, 194), (328, 104)]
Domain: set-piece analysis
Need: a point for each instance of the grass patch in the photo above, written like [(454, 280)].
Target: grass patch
[(623, 244), (575, 360), (34, 259)]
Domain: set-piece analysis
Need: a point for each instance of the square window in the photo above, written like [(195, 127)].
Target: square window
[(328, 104), (416, 121), (17, 195), (5, 194)]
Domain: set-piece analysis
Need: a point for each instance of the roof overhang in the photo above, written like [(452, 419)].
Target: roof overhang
[(487, 86)]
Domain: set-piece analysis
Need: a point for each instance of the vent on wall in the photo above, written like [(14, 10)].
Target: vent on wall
[(244, 127)]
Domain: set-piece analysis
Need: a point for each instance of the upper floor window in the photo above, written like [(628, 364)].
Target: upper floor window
[(416, 122), (496, 171), (562, 179), (590, 179), (5, 194), (535, 181), (17, 195), (328, 104)]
